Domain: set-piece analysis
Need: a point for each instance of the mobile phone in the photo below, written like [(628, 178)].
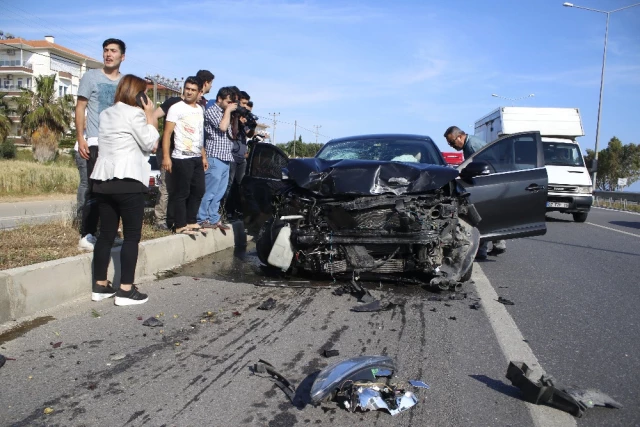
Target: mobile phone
[(139, 97)]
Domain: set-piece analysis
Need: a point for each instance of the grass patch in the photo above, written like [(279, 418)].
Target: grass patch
[(31, 244), (22, 177)]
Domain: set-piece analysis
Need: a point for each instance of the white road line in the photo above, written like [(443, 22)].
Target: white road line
[(613, 229), (514, 348), (615, 210)]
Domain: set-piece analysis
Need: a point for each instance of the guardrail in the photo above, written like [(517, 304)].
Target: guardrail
[(618, 195)]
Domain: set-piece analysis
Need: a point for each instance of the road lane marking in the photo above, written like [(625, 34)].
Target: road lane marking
[(616, 210), (515, 348), (613, 229)]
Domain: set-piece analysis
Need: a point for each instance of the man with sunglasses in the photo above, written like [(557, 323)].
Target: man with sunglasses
[(469, 144)]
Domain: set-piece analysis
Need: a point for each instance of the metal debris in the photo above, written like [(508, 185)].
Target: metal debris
[(263, 367), (330, 353), (269, 304), (505, 301), (475, 306), (419, 384), (375, 305), (152, 322)]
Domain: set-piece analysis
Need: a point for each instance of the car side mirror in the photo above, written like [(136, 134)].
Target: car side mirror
[(473, 169)]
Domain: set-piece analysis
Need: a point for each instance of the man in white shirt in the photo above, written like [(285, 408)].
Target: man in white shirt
[(96, 92), (188, 161)]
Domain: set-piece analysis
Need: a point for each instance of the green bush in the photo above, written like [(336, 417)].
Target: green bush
[(67, 142), (8, 149)]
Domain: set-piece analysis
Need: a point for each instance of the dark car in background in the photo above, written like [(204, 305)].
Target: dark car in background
[(154, 183), (389, 207)]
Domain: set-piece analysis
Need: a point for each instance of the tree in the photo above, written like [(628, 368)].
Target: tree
[(44, 118), (302, 149), (5, 122), (616, 161)]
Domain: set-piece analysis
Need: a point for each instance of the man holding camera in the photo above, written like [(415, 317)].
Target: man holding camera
[(218, 146), (246, 129)]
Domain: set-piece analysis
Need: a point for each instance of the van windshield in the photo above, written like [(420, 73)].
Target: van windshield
[(561, 154)]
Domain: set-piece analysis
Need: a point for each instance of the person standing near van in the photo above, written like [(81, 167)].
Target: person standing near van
[(96, 92), (469, 144), (128, 133)]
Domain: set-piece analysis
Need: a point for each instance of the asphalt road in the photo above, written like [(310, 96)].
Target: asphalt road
[(574, 292), (13, 214)]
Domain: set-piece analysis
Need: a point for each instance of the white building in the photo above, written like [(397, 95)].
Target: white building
[(21, 60)]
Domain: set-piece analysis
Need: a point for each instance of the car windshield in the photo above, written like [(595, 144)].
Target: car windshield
[(384, 149), (562, 154)]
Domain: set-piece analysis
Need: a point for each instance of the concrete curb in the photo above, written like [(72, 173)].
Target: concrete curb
[(26, 290)]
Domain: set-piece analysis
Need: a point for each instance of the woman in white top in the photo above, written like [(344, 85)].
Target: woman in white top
[(127, 135)]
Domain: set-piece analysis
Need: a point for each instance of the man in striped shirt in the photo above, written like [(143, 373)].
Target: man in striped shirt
[(218, 146)]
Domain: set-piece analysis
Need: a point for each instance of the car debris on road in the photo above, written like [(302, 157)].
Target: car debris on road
[(545, 391)]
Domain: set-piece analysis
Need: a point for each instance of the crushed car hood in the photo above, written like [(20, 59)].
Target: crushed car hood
[(366, 177)]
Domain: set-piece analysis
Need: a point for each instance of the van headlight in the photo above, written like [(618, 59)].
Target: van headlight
[(585, 190)]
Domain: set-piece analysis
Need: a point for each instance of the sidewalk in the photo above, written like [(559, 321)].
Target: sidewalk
[(27, 290)]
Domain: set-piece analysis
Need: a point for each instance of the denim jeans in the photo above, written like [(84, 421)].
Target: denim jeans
[(216, 179), (81, 163), (90, 213)]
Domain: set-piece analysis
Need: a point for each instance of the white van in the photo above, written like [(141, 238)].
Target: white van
[(570, 187)]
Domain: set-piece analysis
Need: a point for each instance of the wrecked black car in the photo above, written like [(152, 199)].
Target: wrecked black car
[(388, 206)]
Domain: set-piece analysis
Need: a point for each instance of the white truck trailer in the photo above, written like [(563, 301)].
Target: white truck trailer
[(570, 187)]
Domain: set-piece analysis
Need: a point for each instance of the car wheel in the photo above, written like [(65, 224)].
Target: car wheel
[(580, 216), (467, 276)]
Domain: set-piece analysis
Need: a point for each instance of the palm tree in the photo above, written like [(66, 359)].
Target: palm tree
[(5, 123), (44, 118)]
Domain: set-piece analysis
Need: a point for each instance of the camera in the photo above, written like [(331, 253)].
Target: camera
[(251, 119)]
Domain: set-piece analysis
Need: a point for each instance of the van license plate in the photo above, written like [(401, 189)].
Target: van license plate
[(557, 205)]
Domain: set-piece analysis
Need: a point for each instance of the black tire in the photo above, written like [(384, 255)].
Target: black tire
[(580, 216), (467, 276)]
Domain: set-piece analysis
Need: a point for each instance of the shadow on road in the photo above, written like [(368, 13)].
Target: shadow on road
[(552, 219), (628, 224), (585, 247), (499, 386)]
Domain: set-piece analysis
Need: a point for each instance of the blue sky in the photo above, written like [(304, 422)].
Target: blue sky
[(356, 67)]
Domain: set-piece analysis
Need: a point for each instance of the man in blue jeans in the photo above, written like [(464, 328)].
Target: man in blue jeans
[(218, 145)]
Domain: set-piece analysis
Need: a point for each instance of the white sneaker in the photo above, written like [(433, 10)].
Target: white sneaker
[(87, 243)]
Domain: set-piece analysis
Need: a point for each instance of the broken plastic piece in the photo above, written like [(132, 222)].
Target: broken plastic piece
[(573, 401), (475, 306), (56, 345), (505, 301), (419, 384), (235, 313), (330, 353), (152, 322), (404, 402), (355, 368), (376, 305), (591, 398), (267, 305), (3, 360), (285, 385)]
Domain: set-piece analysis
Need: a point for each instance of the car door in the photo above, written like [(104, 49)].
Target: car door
[(263, 178), (511, 199)]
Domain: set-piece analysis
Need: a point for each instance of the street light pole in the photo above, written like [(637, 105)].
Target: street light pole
[(513, 100), (604, 63)]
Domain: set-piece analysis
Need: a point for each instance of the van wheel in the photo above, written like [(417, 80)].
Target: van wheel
[(580, 216)]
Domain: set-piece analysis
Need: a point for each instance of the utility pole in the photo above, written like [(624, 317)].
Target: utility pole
[(295, 129), (273, 139), (317, 127)]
